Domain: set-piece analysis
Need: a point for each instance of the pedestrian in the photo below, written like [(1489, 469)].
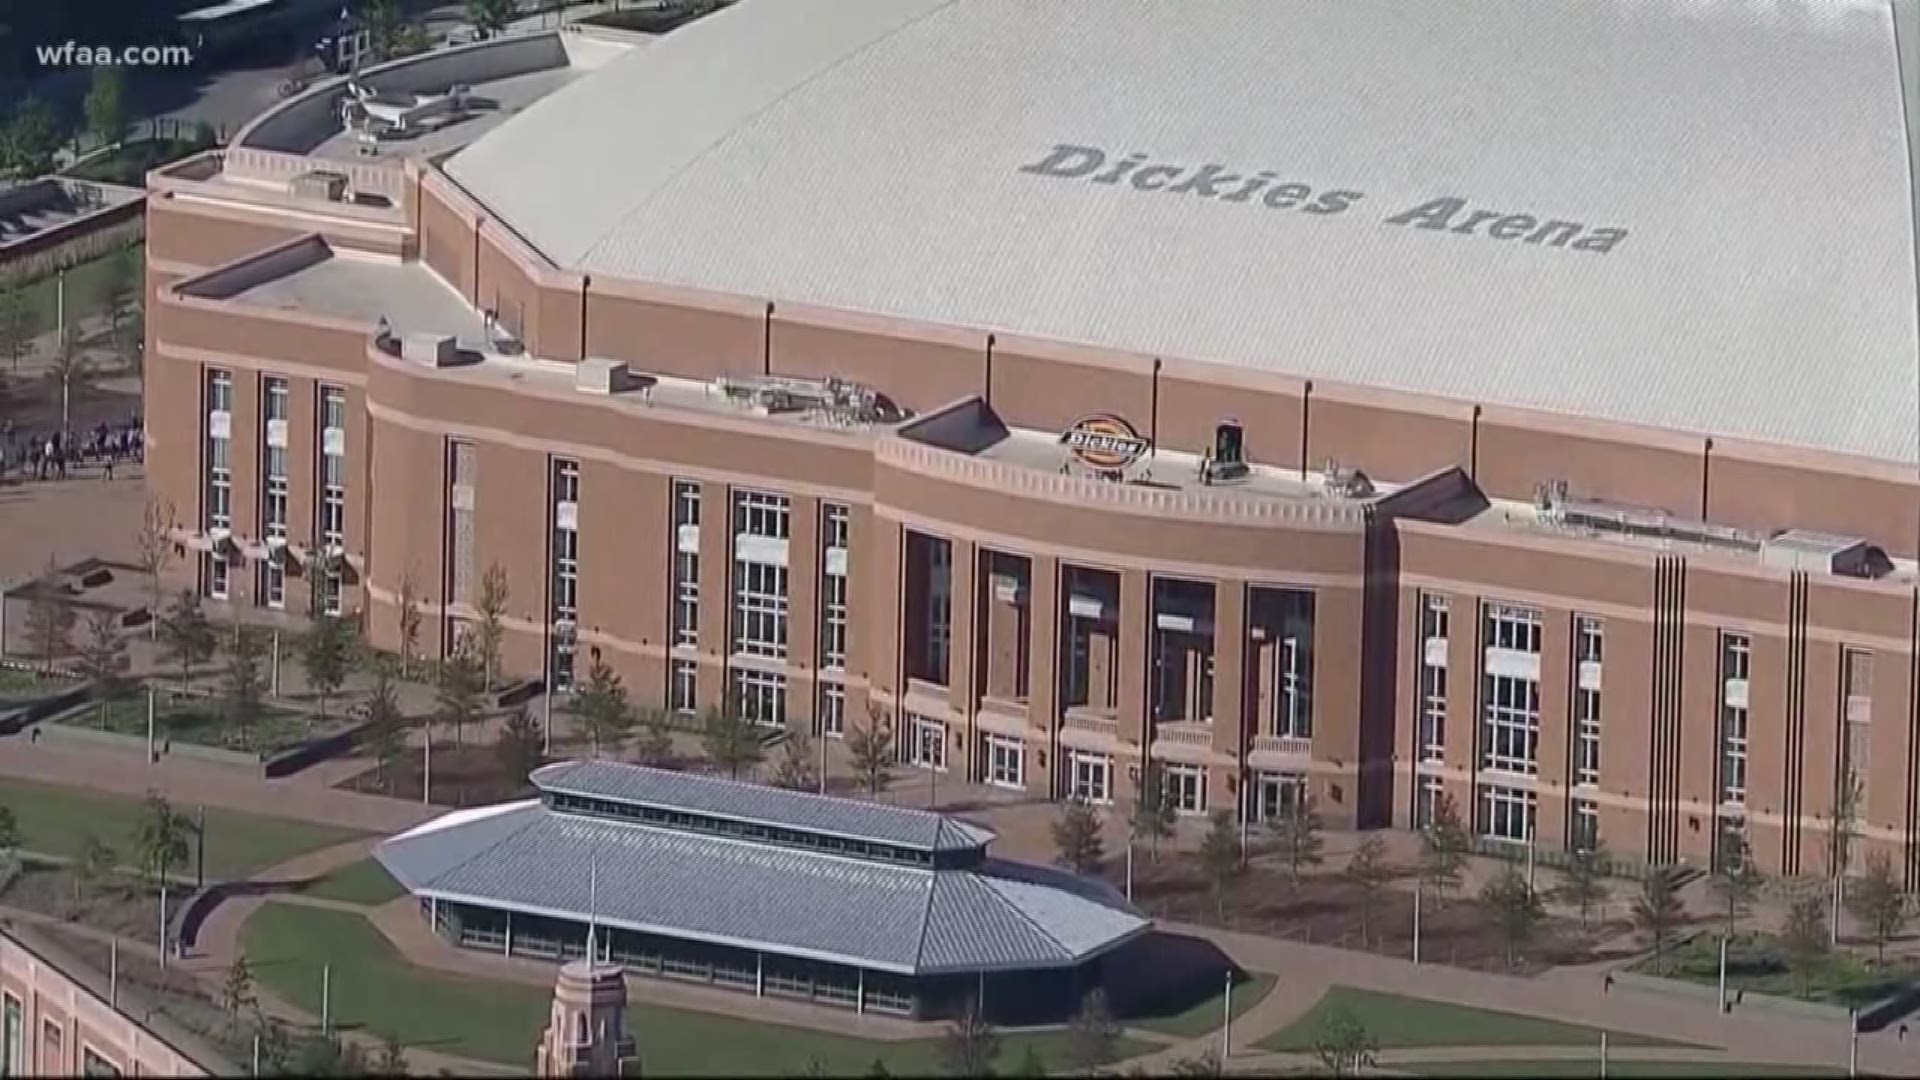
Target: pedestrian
[(107, 474)]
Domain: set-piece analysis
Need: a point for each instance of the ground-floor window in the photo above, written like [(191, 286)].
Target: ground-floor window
[(13, 1046), (1730, 843), (833, 710), (1090, 777), (1005, 758), (762, 696), (273, 584), (1277, 794), (562, 665), (1583, 825), (928, 746), (92, 1064), (1187, 787), (680, 688), (217, 571), (1426, 800), (1506, 813), (330, 592)]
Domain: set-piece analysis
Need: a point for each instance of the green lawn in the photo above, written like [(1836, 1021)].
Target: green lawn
[(1758, 962), (1652, 1070), (1198, 1019), (364, 882), (198, 721), (487, 1020), (1397, 1022), (87, 285), (56, 821), (20, 687)]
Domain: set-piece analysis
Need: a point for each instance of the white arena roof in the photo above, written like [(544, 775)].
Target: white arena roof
[(1737, 256)]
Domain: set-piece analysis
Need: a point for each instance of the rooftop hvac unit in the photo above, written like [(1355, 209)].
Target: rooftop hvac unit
[(601, 377), (1346, 483), (1800, 549), (429, 350)]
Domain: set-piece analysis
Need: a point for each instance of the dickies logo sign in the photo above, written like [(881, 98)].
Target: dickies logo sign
[(1104, 441)]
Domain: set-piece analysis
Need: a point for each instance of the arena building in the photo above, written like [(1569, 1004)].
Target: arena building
[(1341, 399), (842, 902)]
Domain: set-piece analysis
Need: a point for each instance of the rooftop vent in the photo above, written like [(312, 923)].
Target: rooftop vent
[(429, 350), (602, 377), (1651, 524), (1346, 483), (318, 184), (1799, 549)]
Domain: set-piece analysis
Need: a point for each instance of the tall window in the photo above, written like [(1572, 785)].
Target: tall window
[(1426, 798), (939, 606), (1510, 689), (760, 522), (1583, 826), (1587, 649), (566, 569), (273, 488), (833, 586), (1857, 702), (1736, 653), (1433, 678), (219, 479), (1293, 658), (1006, 758), (762, 696), (1090, 776), (928, 746), (686, 563), (333, 490)]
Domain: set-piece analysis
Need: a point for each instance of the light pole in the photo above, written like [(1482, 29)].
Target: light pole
[(1853, 1043), (1723, 973), (1603, 1055), (546, 724), (163, 922), (150, 711), (200, 847), (1417, 890), (1226, 1023), (326, 999), (1530, 847), (274, 689), (426, 768)]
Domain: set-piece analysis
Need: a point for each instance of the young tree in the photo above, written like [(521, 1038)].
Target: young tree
[(186, 636), (236, 994), (1877, 903), (1153, 815), (796, 769), (970, 1044), (653, 741), (1444, 844), (1736, 884), (1343, 1044), (489, 17), (491, 628), (106, 105), (103, 659), (1093, 1038), (32, 135), (382, 21), (121, 287), (16, 326), (518, 748), (1583, 881), (409, 617), (327, 654), (458, 698), (70, 375), (1514, 908), (393, 1059), (161, 838), (870, 747), (384, 737), (730, 740), (600, 708), (243, 692), (1220, 858), (95, 866), (1076, 836), (1842, 827), (1296, 834), (1369, 873), (1657, 911), (9, 832), (153, 546), (1804, 936), (49, 619)]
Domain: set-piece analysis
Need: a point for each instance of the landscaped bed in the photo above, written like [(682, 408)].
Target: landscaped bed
[(197, 721), (123, 905), (1627, 1069), (375, 989), (1757, 963), (1326, 909), (1398, 1022), (19, 688)]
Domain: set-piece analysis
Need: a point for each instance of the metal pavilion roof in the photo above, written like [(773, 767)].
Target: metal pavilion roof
[(527, 857)]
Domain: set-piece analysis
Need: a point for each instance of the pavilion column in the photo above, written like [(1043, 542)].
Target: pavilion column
[(759, 974), (860, 992), (508, 950)]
